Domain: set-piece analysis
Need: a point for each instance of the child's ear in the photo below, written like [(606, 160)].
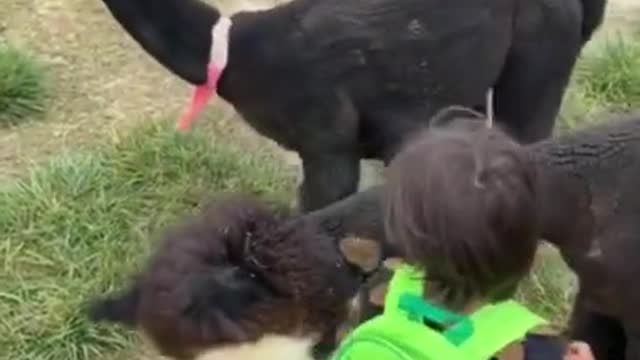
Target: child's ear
[(121, 308), (378, 294), (513, 351), (177, 33)]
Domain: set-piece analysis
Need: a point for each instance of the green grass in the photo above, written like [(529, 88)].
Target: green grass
[(78, 225), (549, 289), (606, 79), (610, 74), (22, 86)]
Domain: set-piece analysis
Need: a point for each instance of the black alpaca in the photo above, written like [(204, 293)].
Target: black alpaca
[(342, 80), (592, 212)]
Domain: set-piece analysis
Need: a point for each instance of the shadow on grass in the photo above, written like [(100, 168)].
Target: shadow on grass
[(22, 86), (73, 228)]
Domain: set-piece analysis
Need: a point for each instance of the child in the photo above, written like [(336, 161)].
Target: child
[(460, 204)]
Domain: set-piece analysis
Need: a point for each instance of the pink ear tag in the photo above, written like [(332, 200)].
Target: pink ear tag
[(199, 99), (217, 64)]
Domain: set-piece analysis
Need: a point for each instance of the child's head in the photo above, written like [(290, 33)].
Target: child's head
[(460, 203)]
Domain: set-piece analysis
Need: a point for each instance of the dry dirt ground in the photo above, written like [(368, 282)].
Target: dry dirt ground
[(101, 81)]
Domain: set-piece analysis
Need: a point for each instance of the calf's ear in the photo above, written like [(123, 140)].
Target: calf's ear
[(177, 33), (365, 254)]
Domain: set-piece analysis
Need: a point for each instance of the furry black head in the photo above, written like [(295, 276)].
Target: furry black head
[(237, 272)]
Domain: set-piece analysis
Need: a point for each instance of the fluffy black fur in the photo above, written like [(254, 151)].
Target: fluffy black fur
[(342, 80), (236, 272), (592, 214)]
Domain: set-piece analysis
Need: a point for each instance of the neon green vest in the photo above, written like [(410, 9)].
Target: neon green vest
[(400, 334)]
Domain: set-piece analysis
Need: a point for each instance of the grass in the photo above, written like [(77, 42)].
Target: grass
[(22, 88), (606, 79), (611, 74), (549, 289), (75, 227)]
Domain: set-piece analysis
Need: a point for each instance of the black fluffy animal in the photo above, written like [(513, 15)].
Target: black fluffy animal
[(592, 214), (240, 281), (342, 80)]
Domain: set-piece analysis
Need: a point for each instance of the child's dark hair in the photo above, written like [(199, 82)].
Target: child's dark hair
[(460, 202)]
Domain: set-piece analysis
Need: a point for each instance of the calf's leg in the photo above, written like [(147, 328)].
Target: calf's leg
[(530, 89), (327, 179)]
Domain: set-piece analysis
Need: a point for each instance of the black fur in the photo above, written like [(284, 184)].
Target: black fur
[(236, 272), (342, 80), (592, 215)]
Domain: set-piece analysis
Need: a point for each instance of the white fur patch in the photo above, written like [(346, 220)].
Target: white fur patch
[(269, 347), (220, 42)]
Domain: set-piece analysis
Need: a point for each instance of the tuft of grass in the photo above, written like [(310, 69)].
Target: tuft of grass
[(77, 226), (549, 289), (609, 74), (22, 88)]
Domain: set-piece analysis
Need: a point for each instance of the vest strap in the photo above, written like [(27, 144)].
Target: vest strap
[(400, 333)]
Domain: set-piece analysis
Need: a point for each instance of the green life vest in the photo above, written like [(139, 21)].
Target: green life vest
[(400, 333)]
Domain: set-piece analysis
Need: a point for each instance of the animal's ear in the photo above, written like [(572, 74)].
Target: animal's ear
[(177, 33), (121, 308), (365, 254)]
